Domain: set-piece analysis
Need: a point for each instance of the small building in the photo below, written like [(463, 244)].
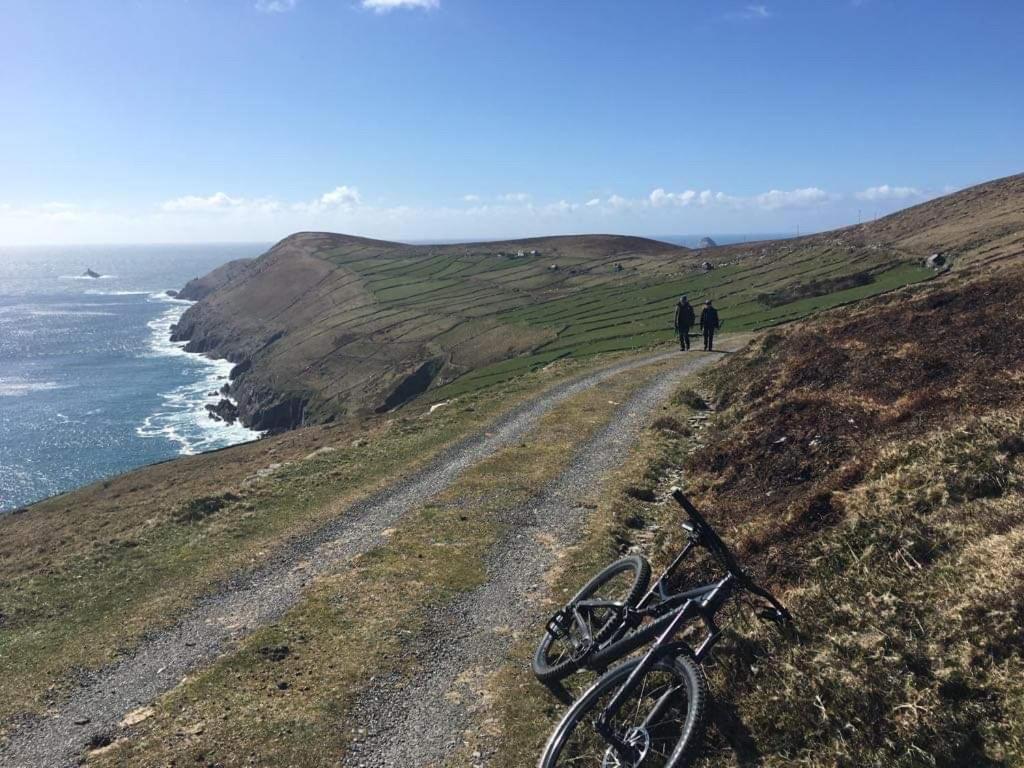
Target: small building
[(707, 266)]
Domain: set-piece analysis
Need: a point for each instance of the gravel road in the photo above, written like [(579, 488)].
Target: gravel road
[(420, 720), (253, 599)]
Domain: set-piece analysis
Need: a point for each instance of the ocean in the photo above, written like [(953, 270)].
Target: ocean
[(90, 384)]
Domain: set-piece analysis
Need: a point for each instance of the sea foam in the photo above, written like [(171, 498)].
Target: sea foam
[(183, 418)]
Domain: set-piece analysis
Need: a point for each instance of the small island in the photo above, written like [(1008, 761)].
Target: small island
[(92, 274)]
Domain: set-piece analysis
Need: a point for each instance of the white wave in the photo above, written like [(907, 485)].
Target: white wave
[(164, 298), (93, 292), (19, 387), (86, 277), (68, 313), (183, 419)]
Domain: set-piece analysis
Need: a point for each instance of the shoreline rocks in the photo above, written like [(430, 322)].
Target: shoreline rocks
[(225, 411)]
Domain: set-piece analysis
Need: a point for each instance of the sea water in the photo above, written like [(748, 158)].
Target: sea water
[(90, 383)]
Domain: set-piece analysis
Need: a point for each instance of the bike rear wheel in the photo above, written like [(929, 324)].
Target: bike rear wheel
[(625, 582), (662, 719)]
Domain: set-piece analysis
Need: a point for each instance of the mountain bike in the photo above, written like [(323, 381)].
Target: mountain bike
[(648, 710)]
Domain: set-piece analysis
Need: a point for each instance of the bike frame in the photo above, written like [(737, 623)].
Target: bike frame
[(704, 602)]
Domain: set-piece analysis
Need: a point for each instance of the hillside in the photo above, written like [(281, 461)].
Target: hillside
[(326, 325), (871, 466), (868, 466)]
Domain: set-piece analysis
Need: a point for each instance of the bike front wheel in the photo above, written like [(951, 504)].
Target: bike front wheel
[(661, 719), (624, 581)]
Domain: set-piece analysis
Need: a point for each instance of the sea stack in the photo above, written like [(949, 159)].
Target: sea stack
[(93, 275), (707, 242)]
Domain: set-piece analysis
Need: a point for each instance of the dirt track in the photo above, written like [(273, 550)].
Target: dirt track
[(252, 600), (418, 721)]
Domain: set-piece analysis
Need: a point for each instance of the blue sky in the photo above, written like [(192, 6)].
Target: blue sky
[(198, 120)]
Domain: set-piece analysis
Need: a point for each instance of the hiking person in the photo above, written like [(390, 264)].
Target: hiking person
[(709, 323), (684, 322)]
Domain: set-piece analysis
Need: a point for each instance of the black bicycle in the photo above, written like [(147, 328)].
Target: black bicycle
[(649, 710)]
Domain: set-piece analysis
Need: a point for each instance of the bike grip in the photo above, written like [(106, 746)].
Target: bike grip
[(686, 504)]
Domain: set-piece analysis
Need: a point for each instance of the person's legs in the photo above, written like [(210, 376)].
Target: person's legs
[(711, 340), (707, 338), (684, 338)]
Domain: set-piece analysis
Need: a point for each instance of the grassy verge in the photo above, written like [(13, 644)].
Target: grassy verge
[(260, 707)]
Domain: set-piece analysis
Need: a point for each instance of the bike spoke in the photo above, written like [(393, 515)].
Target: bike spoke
[(650, 717)]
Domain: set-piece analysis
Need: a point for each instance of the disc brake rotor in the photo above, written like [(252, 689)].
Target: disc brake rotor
[(639, 739)]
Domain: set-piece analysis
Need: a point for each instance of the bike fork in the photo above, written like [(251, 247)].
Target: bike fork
[(603, 725)]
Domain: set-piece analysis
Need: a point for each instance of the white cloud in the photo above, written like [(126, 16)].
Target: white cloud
[(562, 206), (618, 202), (750, 13), (885, 192), (796, 198), (275, 6), (594, 201), (659, 198), (516, 197), (219, 201), (471, 198), (384, 6), (341, 197)]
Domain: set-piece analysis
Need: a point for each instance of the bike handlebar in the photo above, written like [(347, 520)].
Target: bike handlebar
[(711, 538), (718, 547)]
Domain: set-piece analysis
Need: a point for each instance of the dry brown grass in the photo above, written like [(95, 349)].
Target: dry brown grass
[(869, 467)]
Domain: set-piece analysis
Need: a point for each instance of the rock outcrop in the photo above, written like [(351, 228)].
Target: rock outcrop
[(225, 411), (707, 242), (201, 287)]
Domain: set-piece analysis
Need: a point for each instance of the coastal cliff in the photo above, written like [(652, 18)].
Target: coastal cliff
[(324, 325)]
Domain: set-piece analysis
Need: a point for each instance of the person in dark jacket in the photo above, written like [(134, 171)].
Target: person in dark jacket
[(684, 322), (709, 323)]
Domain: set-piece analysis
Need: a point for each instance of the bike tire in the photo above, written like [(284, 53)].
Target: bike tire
[(548, 670), (562, 748)]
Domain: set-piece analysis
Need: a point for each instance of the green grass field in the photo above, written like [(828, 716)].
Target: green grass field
[(587, 306)]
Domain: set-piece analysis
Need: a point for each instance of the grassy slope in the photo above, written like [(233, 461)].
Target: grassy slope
[(870, 467), (587, 306)]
